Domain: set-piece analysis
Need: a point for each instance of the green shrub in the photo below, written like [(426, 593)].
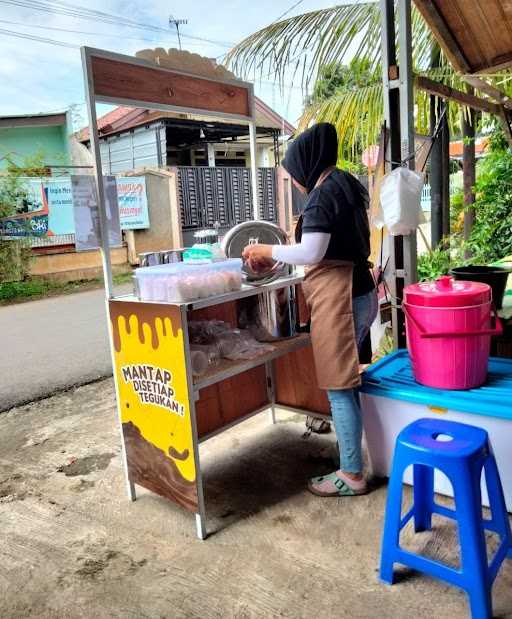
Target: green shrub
[(432, 265), (491, 237)]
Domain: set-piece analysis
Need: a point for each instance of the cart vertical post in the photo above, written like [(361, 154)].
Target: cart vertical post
[(105, 241), (193, 396), (98, 172)]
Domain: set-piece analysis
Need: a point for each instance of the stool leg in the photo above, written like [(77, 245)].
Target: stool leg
[(468, 501), (423, 490), (391, 535), (496, 498), (497, 503)]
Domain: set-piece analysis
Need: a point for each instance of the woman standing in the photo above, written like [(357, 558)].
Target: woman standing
[(333, 241)]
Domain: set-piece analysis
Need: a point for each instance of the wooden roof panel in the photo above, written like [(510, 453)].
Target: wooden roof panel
[(475, 35)]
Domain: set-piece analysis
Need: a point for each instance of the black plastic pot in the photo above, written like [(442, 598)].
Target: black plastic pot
[(496, 277)]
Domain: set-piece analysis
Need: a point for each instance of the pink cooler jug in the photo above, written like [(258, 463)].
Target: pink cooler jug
[(449, 325)]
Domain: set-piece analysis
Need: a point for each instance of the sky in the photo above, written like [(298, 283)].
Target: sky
[(38, 76)]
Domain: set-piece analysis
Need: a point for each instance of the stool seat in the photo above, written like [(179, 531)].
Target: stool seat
[(446, 438), (461, 452)]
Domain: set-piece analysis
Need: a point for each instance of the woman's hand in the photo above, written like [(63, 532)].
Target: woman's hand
[(258, 256)]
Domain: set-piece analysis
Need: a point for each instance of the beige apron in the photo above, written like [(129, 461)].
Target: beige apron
[(327, 289)]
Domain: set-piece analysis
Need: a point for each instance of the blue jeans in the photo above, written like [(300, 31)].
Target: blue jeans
[(346, 414)]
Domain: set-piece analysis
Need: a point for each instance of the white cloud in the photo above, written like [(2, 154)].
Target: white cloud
[(38, 77)]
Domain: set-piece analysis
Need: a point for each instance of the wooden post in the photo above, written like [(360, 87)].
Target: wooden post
[(436, 182), (445, 141), (129, 237), (468, 169)]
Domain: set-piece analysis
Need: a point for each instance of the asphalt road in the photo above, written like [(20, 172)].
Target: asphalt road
[(52, 344)]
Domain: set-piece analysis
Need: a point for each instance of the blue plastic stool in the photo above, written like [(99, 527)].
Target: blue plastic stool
[(424, 444)]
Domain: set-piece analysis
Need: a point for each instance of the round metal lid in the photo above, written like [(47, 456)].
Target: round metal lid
[(252, 232), (447, 292)]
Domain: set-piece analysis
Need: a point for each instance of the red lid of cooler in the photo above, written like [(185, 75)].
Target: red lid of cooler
[(447, 292)]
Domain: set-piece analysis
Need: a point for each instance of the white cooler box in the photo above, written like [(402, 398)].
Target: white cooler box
[(392, 399)]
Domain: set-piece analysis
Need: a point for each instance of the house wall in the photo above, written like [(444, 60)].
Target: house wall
[(75, 265), (24, 142), (164, 214), (142, 147)]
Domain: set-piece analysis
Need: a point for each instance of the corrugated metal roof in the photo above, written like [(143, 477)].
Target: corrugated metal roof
[(122, 118), (28, 120), (457, 147)]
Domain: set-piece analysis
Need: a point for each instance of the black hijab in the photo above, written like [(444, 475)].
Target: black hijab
[(311, 153)]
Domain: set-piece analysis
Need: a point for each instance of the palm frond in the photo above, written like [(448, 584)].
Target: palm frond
[(358, 114), (306, 42)]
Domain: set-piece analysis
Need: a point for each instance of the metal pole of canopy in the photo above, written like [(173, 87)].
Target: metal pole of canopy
[(98, 173), (399, 116), (254, 170), (407, 122), (392, 118)]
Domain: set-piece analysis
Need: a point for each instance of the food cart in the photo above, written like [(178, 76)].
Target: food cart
[(164, 411)]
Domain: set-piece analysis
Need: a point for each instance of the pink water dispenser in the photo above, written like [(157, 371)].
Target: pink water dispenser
[(449, 325)]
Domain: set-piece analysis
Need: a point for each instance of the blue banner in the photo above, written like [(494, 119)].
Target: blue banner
[(47, 209)]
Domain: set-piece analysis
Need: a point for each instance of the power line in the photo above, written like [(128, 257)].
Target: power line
[(31, 37), (71, 10), (98, 34), (288, 11)]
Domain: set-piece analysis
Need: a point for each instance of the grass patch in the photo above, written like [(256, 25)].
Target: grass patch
[(35, 287), (122, 278)]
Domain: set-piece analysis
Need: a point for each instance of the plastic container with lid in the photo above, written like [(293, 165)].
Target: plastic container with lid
[(449, 326), (391, 399), (183, 282)]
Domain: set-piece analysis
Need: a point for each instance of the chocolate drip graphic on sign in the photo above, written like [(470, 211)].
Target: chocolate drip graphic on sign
[(151, 468), (146, 314), (178, 455)]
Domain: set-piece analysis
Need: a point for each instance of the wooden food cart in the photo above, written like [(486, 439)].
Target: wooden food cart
[(164, 413)]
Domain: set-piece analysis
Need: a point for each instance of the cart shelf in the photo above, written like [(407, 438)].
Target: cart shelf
[(246, 291), (228, 369)]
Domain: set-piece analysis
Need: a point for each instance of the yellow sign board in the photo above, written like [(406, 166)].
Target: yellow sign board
[(153, 397)]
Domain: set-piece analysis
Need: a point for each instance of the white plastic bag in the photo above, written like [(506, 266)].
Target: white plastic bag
[(400, 202)]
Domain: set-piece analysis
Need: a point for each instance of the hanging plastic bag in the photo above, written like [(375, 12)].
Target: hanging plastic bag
[(400, 202)]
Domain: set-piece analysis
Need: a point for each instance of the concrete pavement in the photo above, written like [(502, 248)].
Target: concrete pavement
[(74, 547), (52, 344)]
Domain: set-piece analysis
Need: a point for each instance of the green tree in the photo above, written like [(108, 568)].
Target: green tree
[(15, 254), (335, 77)]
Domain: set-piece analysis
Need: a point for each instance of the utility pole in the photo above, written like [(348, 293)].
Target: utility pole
[(177, 23)]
